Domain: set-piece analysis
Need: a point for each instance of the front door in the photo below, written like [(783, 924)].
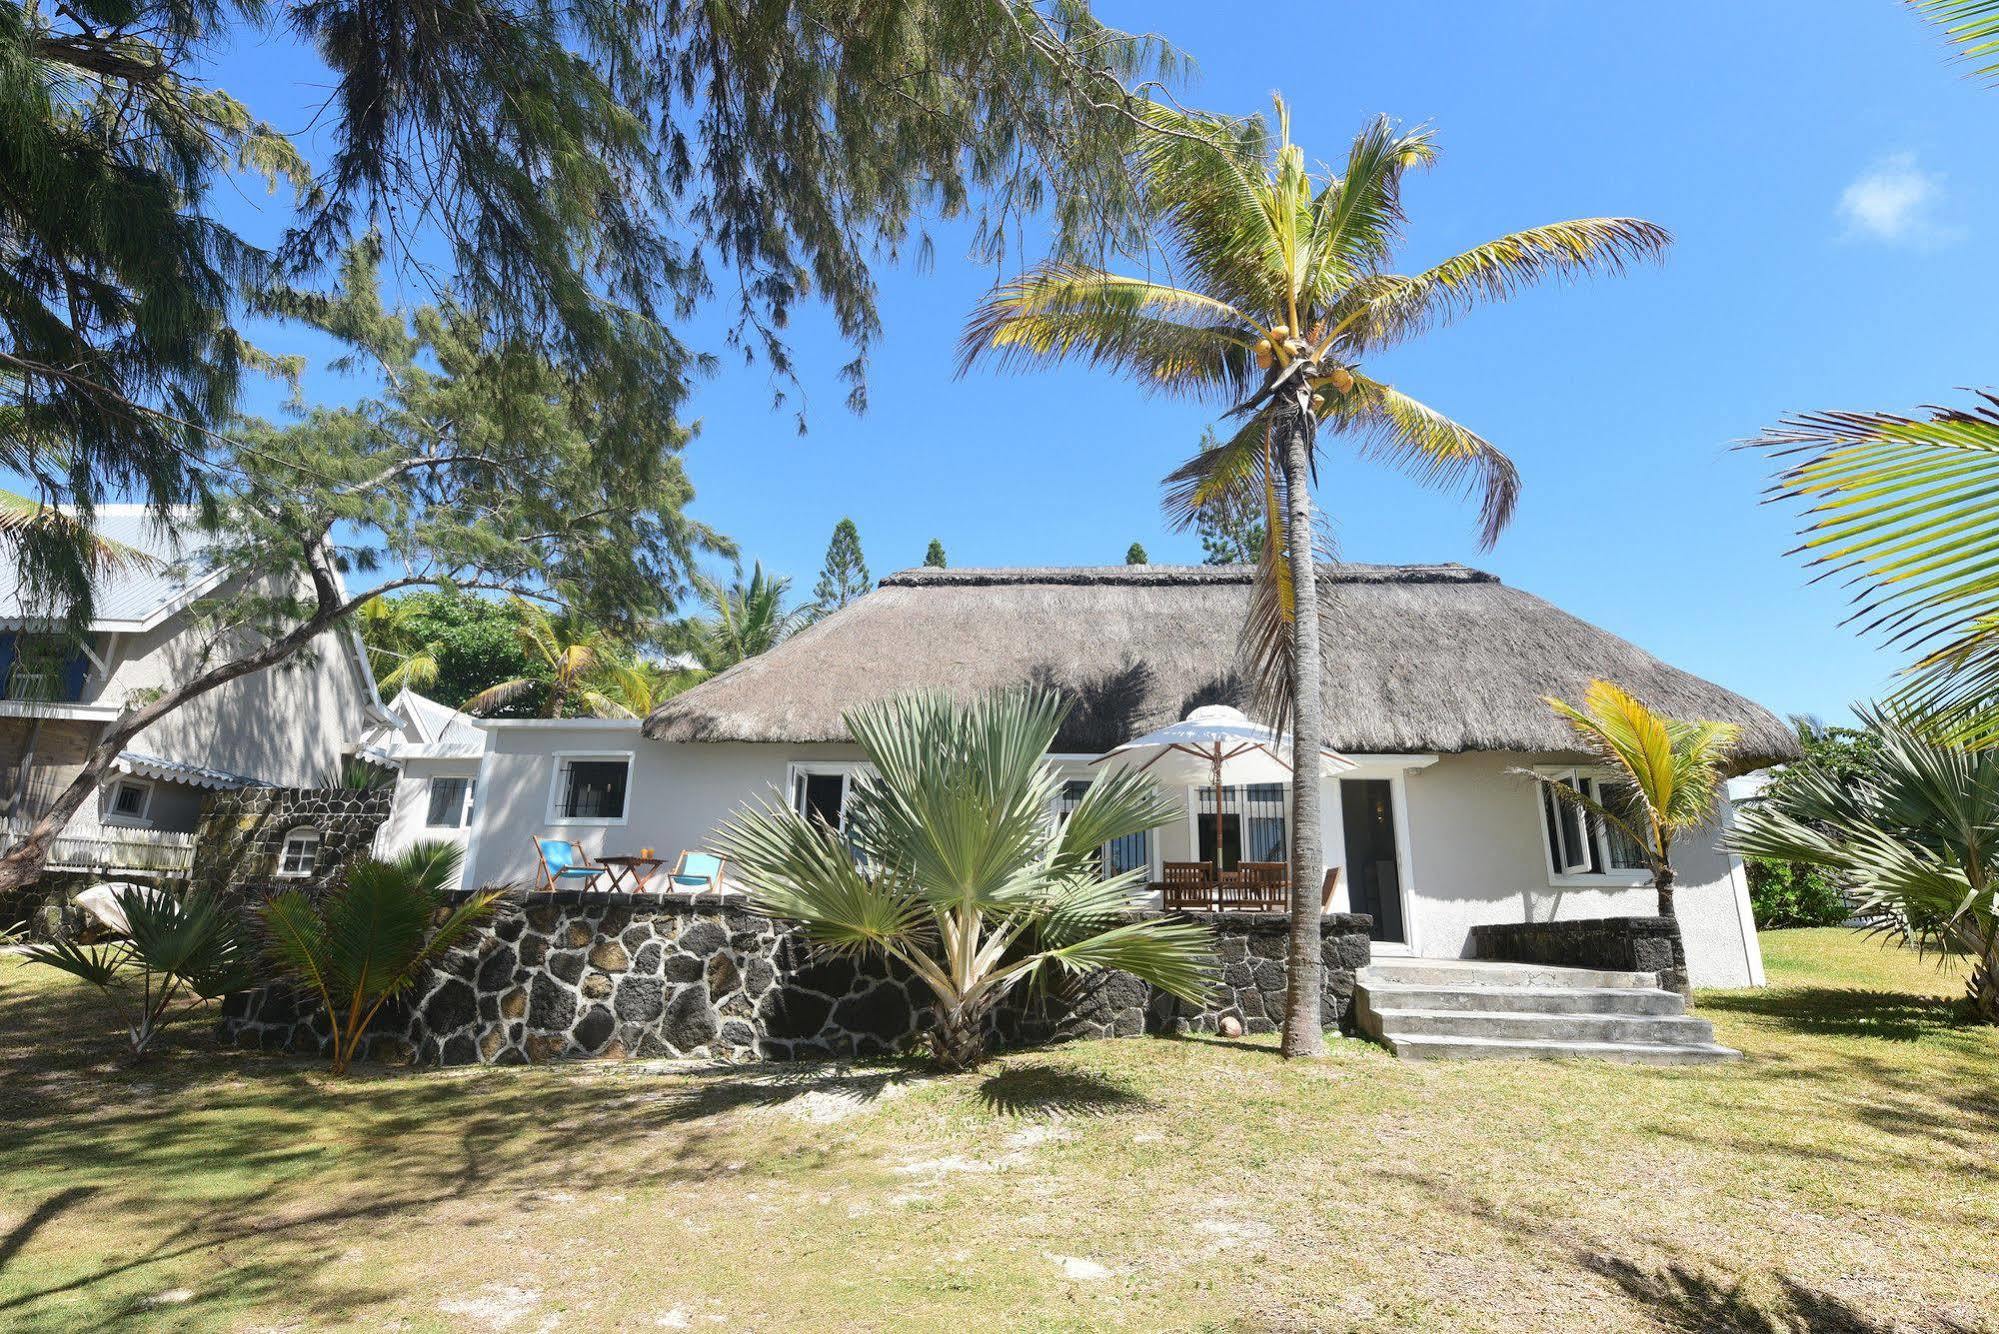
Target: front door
[(1374, 883)]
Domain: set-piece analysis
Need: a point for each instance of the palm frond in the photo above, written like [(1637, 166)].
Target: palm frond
[(1382, 309), (1900, 508), (1394, 428), (799, 869), (1174, 955), (1972, 25), (1208, 180), (498, 696), (1357, 219)]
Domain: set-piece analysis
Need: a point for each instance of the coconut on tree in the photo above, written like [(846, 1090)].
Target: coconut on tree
[(1283, 294)]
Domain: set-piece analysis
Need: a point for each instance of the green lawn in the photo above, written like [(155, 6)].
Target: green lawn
[(1842, 1176)]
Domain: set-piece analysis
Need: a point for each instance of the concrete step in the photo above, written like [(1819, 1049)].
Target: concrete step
[(1538, 1000), (1658, 1029), (1486, 972), (1421, 1048)]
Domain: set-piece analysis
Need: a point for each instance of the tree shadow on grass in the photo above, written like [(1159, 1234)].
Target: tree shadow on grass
[(1680, 1297), (713, 1091), (1844, 1011), (1039, 1090)]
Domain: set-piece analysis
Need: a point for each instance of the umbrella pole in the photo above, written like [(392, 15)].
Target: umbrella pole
[(1218, 815)]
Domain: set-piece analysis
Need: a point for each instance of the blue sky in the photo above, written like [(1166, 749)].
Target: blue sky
[(1823, 168)]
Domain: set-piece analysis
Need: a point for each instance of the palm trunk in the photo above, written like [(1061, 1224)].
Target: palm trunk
[(959, 1039), (1304, 1026), (1983, 986), (1662, 881)]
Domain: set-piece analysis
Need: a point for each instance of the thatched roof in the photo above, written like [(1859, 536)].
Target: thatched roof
[(1422, 658)]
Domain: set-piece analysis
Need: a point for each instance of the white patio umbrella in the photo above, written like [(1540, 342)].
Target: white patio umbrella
[(1221, 745)]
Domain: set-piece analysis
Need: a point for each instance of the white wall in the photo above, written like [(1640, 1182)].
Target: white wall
[(679, 793), (287, 725), (406, 823), (1475, 840)]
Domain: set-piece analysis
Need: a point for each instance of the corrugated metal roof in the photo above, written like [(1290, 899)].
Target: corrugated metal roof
[(136, 592), (141, 765)]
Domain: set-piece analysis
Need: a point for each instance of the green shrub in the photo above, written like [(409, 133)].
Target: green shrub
[(1794, 894)]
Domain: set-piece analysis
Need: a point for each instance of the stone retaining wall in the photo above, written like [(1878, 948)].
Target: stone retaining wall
[(1626, 944), (574, 974)]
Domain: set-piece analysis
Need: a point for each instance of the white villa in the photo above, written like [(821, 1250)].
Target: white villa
[(1435, 677)]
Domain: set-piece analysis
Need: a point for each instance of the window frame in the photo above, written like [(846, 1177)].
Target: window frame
[(1611, 877), (299, 832), (124, 819), (557, 759), (845, 770), (464, 820)]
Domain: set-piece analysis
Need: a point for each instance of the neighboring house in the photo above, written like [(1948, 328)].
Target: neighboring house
[(291, 725), (436, 751), (1434, 685)]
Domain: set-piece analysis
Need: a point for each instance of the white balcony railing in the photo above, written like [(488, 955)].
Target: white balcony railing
[(153, 851)]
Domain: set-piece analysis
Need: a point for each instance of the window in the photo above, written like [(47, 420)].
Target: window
[(1579, 842), (1133, 852), (590, 789), (821, 791), (300, 856), (450, 803), (129, 800), (1253, 825)]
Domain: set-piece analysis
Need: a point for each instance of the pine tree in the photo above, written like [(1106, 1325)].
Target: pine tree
[(845, 574), (934, 558), (1135, 554)]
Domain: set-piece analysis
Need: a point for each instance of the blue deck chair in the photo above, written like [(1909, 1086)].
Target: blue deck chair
[(697, 872), (562, 860)]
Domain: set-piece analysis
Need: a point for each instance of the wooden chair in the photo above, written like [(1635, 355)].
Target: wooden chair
[(1266, 886), (1187, 885), (697, 872), (1332, 887), (562, 860)]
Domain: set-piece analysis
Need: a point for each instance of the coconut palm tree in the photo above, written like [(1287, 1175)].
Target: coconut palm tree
[(744, 619), (1670, 773), (568, 648), (950, 864), (1913, 832), (404, 658), (632, 687), (1282, 290)]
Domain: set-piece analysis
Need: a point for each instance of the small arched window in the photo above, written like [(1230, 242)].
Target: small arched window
[(300, 856)]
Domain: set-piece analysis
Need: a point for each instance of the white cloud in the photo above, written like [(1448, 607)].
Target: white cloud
[(1897, 201)]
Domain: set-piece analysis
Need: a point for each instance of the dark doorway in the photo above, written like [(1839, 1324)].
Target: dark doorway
[(1231, 838), (1367, 813)]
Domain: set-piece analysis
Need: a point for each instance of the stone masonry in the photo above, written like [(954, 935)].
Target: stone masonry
[(572, 974), (241, 834), (1619, 944)]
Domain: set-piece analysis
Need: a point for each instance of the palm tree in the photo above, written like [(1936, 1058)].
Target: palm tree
[(185, 949), (403, 658), (1973, 25), (570, 650), (631, 687), (950, 864), (1287, 292), (744, 619), (368, 940), (1671, 773), (1912, 832)]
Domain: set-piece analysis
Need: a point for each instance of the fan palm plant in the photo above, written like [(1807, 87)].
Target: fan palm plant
[(182, 951), (1286, 293), (951, 864), (367, 941), (1915, 833), (744, 619), (1670, 773), (567, 648)]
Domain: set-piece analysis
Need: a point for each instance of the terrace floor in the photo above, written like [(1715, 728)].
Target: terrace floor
[(1840, 1177)]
